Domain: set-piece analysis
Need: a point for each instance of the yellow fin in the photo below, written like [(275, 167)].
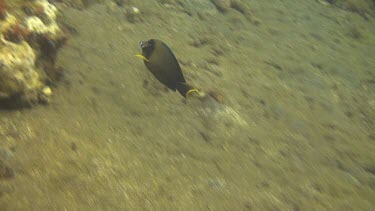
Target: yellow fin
[(142, 57), (200, 94)]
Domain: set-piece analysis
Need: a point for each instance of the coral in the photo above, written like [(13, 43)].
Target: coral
[(36, 24), (16, 33), (18, 74), (39, 10), (29, 42)]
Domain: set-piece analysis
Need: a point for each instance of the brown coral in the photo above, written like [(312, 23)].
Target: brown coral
[(39, 10), (16, 33)]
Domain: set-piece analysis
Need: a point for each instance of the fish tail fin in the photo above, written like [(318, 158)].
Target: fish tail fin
[(186, 90)]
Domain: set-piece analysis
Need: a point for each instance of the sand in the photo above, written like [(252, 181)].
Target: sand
[(295, 130)]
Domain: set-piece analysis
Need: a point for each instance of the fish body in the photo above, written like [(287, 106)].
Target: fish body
[(162, 63)]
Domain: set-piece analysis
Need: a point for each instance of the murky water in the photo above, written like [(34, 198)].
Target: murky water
[(294, 131)]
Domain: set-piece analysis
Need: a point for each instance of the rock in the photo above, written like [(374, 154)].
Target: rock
[(44, 95), (133, 15), (18, 74), (222, 5), (28, 48)]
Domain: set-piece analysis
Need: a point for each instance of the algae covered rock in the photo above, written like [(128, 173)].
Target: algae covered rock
[(28, 47), (46, 23), (18, 74)]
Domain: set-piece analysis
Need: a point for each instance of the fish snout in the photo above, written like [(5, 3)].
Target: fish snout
[(144, 44)]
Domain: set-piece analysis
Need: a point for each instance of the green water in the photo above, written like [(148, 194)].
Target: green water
[(295, 130)]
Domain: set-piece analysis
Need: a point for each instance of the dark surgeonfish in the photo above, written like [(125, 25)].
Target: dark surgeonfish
[(161, 62)]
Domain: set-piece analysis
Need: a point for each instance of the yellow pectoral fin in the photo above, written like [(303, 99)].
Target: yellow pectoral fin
[(142, 57), (200, 94)]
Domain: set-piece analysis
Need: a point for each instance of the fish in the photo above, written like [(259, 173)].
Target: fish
[(162, 63)]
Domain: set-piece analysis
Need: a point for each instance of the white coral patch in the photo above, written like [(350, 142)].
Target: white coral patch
[(12, 54), (18, 67), (49, 9), (35, 24)]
